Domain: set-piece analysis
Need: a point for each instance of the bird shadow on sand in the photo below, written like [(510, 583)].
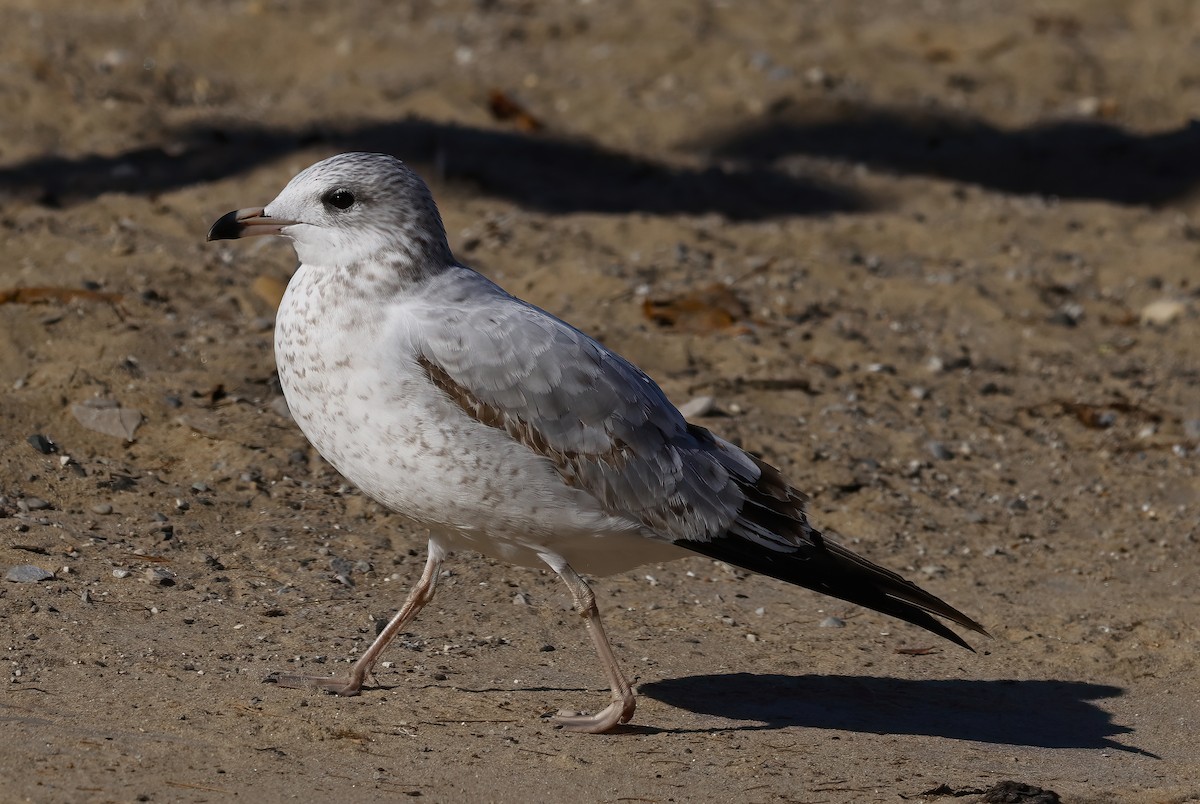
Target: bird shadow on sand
[(538, 171), (1073, 158), (1040, 713), (743, 171)]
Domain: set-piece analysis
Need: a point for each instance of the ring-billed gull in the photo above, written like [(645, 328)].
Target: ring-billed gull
[(507, 431)]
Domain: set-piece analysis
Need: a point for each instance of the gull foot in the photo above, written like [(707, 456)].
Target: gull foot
[(345, 686), (607, 719)]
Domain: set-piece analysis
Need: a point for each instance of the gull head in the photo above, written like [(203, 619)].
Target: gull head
[(347, 210)]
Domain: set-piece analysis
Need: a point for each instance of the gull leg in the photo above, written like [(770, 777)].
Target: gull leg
[(421, 594), (621, 708)]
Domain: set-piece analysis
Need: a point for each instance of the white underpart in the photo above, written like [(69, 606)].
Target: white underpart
[(352, 382)]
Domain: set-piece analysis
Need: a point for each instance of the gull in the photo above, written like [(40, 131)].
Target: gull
[(506, 431)]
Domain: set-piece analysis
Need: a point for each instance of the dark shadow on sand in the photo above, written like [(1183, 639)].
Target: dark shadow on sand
[(1044, 714), (536, 171), (739, 171), (1086, 159)]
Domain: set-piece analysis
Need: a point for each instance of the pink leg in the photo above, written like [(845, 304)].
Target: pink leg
[(421, 594), (623, 702)]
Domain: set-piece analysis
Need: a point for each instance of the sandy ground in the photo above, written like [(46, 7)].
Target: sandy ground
[(955, 256)]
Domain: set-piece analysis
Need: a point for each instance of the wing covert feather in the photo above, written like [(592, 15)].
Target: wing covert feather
[(606, 427)]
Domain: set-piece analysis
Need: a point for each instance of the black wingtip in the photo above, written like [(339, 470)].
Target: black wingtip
[(827, 567)]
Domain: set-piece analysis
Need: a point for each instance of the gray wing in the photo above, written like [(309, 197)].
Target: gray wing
[(604, 425), (609, 430)]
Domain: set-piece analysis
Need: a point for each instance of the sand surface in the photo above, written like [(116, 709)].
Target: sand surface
[(938, 265)]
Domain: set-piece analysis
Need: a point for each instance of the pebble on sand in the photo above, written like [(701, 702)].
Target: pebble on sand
[(159, 576), (1162, 312), (27, 573), (42, 444), (698, 407), (107, 417)]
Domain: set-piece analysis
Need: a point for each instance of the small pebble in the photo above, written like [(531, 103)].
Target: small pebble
[(27, 573), (32, 504), (939, 450), (280, 407), (832, 622), (121, 573), (520, 599), (1162, 312), (160, 576), (695, 408), (1068, 315), (42, 444)]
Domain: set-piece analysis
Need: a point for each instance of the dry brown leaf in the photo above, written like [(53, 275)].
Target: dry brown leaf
[(710, 309), (503, 107)]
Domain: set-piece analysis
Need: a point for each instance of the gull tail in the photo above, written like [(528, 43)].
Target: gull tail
[(826, 567)]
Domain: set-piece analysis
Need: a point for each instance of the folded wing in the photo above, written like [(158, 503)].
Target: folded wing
[(608, 429)]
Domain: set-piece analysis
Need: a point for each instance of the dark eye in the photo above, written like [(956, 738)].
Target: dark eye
[(341, 198)]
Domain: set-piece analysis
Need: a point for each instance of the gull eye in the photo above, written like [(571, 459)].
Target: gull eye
[(340, 198)]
